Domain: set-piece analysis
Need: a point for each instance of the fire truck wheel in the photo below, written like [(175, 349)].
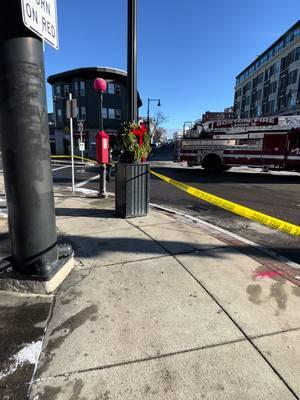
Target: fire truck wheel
[(212, 163)]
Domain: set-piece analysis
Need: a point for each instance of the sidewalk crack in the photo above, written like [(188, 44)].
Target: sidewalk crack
[(141, 360), (248, 338), (51, 311)]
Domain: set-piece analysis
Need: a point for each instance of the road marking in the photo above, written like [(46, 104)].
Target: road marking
[(235, 208), (56, 169), (78, 157), (87, 181)]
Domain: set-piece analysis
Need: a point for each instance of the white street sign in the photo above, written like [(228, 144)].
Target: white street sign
[(81, 146), (40, 16)]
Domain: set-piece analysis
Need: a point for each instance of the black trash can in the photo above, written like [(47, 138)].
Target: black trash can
[(132, 189)]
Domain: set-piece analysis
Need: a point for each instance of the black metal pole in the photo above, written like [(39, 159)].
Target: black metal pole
[(148, 116), (25, 147), (101, 108), (102, 167), (132, 61)]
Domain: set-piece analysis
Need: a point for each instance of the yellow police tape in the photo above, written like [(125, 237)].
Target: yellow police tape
[(246, 212), (79, 157)]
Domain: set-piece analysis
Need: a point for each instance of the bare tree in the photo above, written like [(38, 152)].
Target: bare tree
[(159, 135), (156, 123)]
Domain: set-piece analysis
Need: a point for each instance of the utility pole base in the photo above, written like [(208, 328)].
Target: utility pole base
[(15, 282), (102, 195)]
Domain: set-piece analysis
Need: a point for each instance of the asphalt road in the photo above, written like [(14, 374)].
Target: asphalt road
[(275, 194)]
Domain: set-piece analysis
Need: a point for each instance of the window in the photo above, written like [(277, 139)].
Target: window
[(76, 89), (111, 113), (258, 94), (297, 53), (59, 115), (270, 53), (238, 93), (57, 90), (258, 111), (117, 89), (292, 77), (118, 113), (260, 78), (246, 87), (273, 87), (271, 105), (295, 140), (104, 113), (83, 113), (292, 99), (267, 74), (82, 88), (111, 88), (66, 91), (274, 69)]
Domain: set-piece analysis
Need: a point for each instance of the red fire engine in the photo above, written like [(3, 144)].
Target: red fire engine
[(272, 143)]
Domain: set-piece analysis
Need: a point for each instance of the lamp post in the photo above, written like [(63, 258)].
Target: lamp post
[(132, 61), (148, 112), (100, 86)]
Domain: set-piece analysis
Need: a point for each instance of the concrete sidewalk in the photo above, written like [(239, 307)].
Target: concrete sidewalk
[(155, 309)]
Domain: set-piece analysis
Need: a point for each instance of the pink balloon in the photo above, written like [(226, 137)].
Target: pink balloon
[(100, 85)]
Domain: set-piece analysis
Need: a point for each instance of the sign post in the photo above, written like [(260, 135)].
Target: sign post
[(72, 113), (81, 143), (25, 145)]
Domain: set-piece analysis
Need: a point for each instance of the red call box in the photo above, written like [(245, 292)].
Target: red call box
[(102, 148)]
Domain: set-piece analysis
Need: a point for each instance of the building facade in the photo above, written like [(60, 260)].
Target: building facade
[(218, 115), (270, 85), (80, 82)]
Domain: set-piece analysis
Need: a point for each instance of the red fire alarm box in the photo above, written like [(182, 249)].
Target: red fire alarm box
[(102, 148)]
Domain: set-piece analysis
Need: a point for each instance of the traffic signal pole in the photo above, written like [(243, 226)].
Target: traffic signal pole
[(25, 148)]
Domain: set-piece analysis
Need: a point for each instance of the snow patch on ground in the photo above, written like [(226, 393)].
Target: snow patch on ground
[(29, 354)]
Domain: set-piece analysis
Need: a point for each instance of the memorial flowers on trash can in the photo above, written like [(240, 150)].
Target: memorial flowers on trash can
[(135, 142)]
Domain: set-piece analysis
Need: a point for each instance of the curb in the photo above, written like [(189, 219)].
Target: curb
[(271, 260)]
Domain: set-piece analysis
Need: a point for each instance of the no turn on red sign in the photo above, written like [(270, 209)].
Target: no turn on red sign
[(40, 16)]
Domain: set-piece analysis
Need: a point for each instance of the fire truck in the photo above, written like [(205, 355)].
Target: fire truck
[(270, 143)]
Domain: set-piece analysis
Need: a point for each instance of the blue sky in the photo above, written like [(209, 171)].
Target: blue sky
[(189, 52)]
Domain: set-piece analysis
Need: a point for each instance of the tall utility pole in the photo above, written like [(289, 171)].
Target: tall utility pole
[(132, 62), (25, 147)]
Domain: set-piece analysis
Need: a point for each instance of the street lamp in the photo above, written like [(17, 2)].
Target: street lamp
[(148, 111), (100, 86)]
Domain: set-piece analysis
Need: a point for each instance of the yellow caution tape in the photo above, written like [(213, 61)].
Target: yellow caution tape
[(79, 157), (246, 212)]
